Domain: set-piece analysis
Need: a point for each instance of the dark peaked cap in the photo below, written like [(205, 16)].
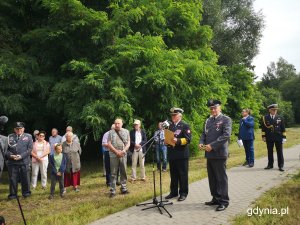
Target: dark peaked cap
[(213, 103)]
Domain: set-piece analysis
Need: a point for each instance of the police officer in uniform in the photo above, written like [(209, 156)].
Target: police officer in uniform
[(214, 140), (273, 132), (18, 159), (179, 155)]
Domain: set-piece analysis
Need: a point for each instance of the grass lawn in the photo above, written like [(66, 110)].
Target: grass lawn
[(93, 203), (284, 199)]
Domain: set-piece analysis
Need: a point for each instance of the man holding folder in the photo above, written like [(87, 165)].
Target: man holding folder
[(178, 153)]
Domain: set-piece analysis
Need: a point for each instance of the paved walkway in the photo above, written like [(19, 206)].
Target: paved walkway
[(245, 185)]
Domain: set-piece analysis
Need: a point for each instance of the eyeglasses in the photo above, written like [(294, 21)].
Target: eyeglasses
[(42, 135)]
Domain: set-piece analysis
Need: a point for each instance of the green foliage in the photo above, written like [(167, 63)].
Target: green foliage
[(237, 30), (84, 63), (291, 92), (280, 84), (278, 73), (243, 94), (271, 95)]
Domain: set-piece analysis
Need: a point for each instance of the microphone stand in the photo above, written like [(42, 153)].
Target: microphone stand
[(155, 202)]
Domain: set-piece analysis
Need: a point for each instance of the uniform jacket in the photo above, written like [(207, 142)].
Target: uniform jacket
[(183, 134), (62, 167), (22, 147), (246, 131), (273, 129), (3, 149), (217, 133), (132, 140)]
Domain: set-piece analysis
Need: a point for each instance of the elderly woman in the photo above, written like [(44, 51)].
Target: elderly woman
[(40, 152), (72, 150)]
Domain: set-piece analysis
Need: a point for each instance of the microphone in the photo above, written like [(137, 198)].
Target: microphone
[(165, 124)]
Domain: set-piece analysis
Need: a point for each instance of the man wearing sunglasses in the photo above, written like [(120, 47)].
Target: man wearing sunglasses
[(214, 140), (18, 160)]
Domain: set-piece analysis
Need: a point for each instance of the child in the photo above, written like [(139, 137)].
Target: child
[(58, 164)]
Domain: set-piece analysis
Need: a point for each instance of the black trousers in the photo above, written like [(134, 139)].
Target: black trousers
[(218, 181), (179, 175), (270, 146), (16, 173), (107, 167), (60, 180)]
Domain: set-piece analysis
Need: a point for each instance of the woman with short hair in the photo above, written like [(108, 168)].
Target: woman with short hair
[(40, 152), (72, 150)]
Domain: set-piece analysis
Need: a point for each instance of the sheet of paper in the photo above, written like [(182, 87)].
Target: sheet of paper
[(169, 135)]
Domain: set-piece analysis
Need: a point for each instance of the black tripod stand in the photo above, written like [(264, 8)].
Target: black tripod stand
[(155, 202)]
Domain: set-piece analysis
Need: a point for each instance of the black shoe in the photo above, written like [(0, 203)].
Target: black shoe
[(281, 169), (170, 196), (221, 207), (112, 195), (125, 192), (251, 165), (118, 183), (211, 203), (50, 197), (10, 197), (26, 195), (245, 164), (268, 167), (181, 198)]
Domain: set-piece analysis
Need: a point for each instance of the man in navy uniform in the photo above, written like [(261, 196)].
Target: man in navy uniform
[(273, 132), (214, 140), (179, 155), (18, 159)]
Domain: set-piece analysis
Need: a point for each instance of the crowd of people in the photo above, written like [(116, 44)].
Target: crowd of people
[(27, 156), (62, 153)]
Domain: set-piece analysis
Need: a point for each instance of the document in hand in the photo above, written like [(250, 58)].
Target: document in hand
[(169, 136)]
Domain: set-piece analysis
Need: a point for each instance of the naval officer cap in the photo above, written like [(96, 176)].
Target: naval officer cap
[(19, 125), (174, 110), (273, 106), (213, 103)]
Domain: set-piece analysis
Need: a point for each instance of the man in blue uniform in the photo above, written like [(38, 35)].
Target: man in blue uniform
[(246, 134), (214, 140), (18, 159), (273, 132), (179, 155)]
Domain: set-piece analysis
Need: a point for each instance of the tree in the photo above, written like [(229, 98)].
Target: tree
[(282, 79), (237, 30), (291, 92), (83, 63), (278, 73), (271, 96)]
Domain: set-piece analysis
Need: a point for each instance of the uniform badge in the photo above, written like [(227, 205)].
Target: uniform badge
[(177, 132), (218, 125), (25, 138)]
